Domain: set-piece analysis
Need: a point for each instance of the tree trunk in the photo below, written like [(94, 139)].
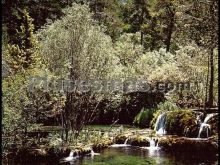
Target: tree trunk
[(62, 125), (142, 36), (141, 23), (206, 86), (211, 81), (170, 31), (66, 133)]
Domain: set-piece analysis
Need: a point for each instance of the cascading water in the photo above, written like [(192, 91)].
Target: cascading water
[(122, 145), (160, 124), (126, 141), (77, 154), (199, 116), (93, 153), (153, 146), (69, 158), (206, 127), (152, 143)]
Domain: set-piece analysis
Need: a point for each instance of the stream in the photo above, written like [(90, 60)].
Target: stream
[(138, 156)]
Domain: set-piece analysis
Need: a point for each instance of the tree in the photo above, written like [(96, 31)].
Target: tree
[(22, 53), (165, 12), (23, 109), (136, 14), (76, 48), (107, 13), (201, 23)]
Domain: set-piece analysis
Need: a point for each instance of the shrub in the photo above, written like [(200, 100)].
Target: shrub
[(144, 117), (154, 119), (162, 107), (182, 122), (167, 106)]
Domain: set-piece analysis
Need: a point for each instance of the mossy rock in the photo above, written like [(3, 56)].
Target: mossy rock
[(138, 141), (182, 123), (120, 139), (213, 122), (204, 147), (99, 146)]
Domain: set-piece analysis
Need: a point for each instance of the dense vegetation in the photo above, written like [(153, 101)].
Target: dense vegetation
[(169, 41)]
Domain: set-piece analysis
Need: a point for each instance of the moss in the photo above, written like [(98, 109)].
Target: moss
[(120, 139), (138, 141), (214, 124), (101, 145), (144, 117), (190, 146), (182, 123), (155, 116)]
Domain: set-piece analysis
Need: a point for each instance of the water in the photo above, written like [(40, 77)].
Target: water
[(126, 141), (204, 127), (122, 145), (160, 124), (139, 156), (93, 154), (132, 156), (153, 146), (71, 158)]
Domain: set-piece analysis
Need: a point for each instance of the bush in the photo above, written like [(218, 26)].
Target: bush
[(182, 122), (167, 106), (154, 119), (144, 117), (162, 107)]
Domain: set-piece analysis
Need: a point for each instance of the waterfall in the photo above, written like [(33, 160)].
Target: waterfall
[(204, 126), (153, 146), (77, 153), (209, 116), (152, 143), (126, 141), (198, 118), (69, 158), (92, 153), (122, 145), (160, 124), (71, 154)]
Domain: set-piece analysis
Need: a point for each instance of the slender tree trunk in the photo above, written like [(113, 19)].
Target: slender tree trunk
[(141, 23), (62, 125), (142, 36), (153, 42), (211, 81), (206, 86), (170, 31)]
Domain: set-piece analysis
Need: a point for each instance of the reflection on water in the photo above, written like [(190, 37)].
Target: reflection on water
[(140, 156), (134, 156)]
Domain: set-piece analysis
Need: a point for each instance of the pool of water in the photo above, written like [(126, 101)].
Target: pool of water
[(140, 156)]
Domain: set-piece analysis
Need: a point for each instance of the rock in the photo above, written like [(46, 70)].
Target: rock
[(213, 122), (120, 139), (138, 141), (202, 147)]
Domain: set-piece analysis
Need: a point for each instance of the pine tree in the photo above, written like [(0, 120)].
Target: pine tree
[(22, 55)]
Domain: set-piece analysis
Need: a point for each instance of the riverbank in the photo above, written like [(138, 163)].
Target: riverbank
[(140, 138)]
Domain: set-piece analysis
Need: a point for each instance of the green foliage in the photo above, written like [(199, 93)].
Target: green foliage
[(181, 122), (126, 40), (154, 118), (23, 54), (144, 117), (167, 106), (22, 108), (161, 108), (76, 47)]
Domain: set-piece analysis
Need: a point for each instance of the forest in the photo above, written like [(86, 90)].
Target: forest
[(110, 82)]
